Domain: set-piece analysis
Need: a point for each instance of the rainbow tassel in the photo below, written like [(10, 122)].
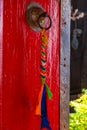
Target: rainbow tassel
[(41, 108)]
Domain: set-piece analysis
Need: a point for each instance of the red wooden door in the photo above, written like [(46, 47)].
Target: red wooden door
[(21, 63)]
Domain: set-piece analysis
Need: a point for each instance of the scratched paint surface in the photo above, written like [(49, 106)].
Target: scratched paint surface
[(1, 40), (21, 71)]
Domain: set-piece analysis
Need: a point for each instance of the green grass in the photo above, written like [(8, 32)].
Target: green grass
[(78, 120)]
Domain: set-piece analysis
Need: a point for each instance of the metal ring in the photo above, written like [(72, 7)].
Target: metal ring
[(44, 15)]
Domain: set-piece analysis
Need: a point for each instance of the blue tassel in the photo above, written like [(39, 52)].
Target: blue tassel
[(45, 123)]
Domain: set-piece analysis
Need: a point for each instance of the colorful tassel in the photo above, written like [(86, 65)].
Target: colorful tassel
[(41, 108)]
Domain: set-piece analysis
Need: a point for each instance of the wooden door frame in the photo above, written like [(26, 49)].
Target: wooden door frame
[(65, 64)]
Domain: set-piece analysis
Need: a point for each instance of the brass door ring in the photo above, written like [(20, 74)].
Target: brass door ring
[(44, 15)]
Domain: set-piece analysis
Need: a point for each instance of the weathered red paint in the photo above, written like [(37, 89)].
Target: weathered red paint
[(21, 61), (1, 42)]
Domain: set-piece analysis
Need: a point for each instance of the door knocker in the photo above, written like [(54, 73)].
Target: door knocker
[(37, 18)]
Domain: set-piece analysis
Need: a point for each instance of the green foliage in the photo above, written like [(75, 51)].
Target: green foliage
[(78, 120)]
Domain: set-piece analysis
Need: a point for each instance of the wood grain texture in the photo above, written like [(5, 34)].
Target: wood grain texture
[(1, 54), (21, 67), (65, 65)]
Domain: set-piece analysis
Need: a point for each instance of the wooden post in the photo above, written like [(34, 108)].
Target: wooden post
[(1, 42), (65, 65)]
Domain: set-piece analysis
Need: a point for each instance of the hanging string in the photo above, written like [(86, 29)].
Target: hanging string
[(41, 108)]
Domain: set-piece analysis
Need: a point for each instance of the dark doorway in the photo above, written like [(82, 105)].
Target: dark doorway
[(78, 68)]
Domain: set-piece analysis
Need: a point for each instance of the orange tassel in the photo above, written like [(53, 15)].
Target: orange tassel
[(38, 108)]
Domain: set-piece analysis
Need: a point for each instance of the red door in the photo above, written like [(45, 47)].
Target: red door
[(21, 63)]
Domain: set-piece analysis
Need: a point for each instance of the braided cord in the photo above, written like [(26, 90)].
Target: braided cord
[(43, 72)]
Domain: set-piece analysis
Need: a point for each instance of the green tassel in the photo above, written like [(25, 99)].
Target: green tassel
[(50, 95)]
